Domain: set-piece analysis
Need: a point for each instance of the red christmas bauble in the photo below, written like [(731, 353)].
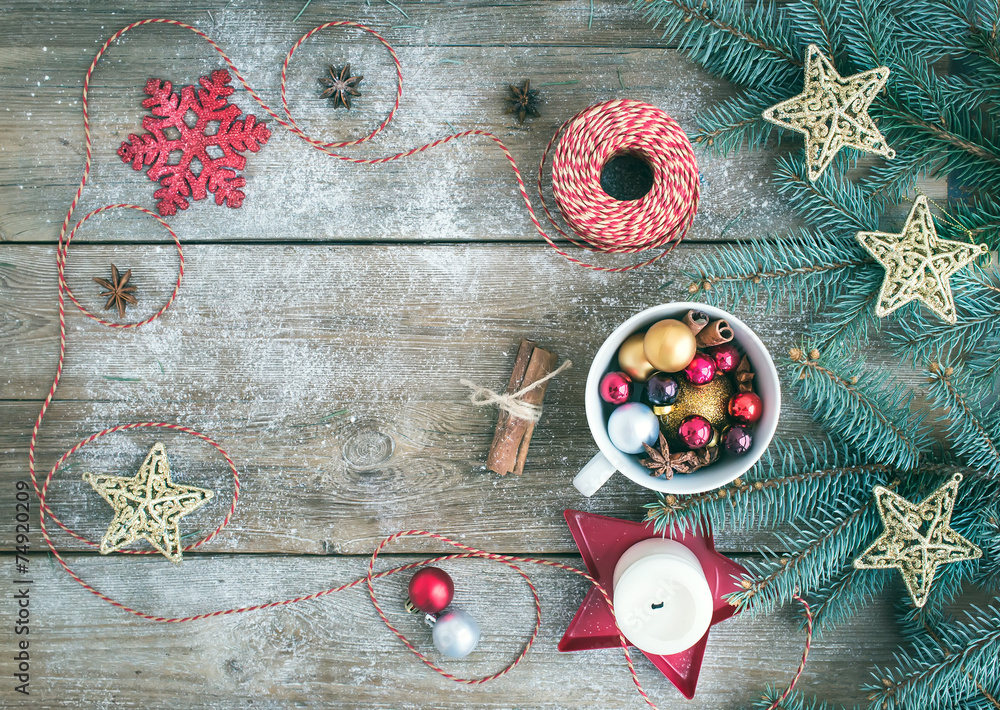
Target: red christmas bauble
[(737, 439), (701, 370), (726, 357), (431, 590), (745, 407), (616, 387), (695, 431)]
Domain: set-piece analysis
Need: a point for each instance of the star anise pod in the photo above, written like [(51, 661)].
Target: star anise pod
[(699, 458), (658, 462), (522, 101), (744, 375), (118, 292), (340, 86)]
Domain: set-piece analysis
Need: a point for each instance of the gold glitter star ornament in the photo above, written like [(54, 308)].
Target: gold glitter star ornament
[(917, 538), (148, 505), (832, 112), (918, 265)]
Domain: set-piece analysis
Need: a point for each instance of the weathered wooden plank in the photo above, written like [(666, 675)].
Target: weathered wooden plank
[(436, 22), (385, 332), (334, 652), (461, 192), (318, 325)]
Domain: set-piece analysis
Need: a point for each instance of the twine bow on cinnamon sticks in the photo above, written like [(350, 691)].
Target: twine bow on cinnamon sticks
[(520, 406)]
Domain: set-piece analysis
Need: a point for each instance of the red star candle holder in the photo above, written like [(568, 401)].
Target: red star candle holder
[(602, 542)]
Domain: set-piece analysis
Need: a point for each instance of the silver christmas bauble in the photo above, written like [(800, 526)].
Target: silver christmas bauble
[(632, 425), (455, 633)]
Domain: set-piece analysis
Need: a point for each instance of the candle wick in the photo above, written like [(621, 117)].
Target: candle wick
[(657, 606)]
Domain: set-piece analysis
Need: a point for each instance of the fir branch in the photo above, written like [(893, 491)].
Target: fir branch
[(793, 271), (752, 47), (831, 203), (789, 482), (841, 599), (893, 181), (926, 631), (851, 318), (924, 337), (979, 218), (795, 701), (973, 431), (990, 568), (821, 549), (929, 674), (868, 411), (727, 126), (817, 22)]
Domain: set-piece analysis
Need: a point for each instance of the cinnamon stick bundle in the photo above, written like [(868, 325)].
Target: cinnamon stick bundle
[(512, 437)]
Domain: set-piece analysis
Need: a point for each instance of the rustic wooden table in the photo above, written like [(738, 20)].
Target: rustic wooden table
[(336, 286)]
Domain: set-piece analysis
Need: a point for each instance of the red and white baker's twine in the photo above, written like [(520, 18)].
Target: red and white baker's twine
[(607, 129)]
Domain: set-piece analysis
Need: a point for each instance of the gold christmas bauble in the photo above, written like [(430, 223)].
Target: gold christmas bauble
[(669, 345), (632, 359), (710, 401)]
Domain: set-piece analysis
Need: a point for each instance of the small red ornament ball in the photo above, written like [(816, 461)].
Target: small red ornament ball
[(737, 439), (726, 357), (616, 387), (701, 370), (745, 407), (431, 590), (695, 431)]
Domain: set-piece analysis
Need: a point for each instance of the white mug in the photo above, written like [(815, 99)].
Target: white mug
[(600, 468)]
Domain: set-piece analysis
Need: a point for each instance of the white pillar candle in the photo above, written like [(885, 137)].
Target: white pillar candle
[(663, 604)]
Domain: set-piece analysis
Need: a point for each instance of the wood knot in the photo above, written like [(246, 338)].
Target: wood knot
[(368, 449)]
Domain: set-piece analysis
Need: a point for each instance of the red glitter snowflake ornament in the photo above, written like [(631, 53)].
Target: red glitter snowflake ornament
[(209, 162)]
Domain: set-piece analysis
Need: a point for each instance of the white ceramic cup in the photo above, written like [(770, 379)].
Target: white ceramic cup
[(600, 468)]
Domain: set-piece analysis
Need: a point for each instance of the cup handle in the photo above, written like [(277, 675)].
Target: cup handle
[(594, 475)]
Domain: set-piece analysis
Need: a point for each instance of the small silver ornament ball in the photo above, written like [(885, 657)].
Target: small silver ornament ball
[(455, 633), (632, 425)]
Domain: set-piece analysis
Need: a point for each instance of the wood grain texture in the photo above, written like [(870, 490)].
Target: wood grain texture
[(344, 287), (334, 652)]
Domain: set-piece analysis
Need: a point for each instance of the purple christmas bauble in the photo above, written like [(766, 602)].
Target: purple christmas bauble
[(615, 387), (661, 389), (695, 431), (701, 370), (737, 439), (726, 357)]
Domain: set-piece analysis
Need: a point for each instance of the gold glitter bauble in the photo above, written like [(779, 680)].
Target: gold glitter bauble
[(669, 345), (710, 401), (832, 112), (632, 360), (918, 264), (918, 537), (148, 505)]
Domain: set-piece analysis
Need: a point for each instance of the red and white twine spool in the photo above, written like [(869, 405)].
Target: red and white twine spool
[(586, 144)]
